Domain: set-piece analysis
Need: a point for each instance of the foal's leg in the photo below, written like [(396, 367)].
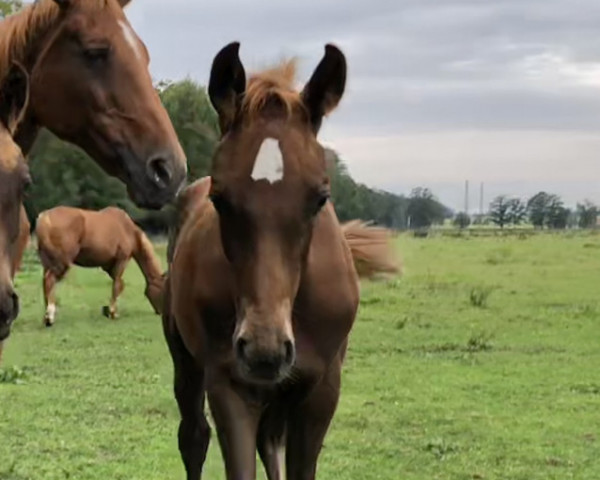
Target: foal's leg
[(49, 283), (237, 426), (270, 442), (307, 425), (194, 431), (116, 273)]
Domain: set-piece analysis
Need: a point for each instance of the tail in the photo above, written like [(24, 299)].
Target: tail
[(372, 249), (150, 266)]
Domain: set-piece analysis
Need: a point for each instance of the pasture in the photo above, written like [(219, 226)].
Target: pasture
[(481, 362)]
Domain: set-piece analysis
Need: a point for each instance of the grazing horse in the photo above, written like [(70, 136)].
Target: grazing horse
[(262, 290), (14, 178), (107, 239), (90, 85)]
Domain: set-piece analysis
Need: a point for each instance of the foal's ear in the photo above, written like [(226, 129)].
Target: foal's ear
[(227, 84), (325, 88), (123, 3), (14, 97)]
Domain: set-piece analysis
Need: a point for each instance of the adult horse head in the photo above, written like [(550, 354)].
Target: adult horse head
[(90, 85), (269, 183), (14, 178)]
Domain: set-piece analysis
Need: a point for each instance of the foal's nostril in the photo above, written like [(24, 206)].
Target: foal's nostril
[(290, 352), (159, 172), (240, 348)]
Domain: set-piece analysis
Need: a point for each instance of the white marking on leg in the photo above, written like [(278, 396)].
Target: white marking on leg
[(269, 162), (51, 311), (131, 39), (281, 461)]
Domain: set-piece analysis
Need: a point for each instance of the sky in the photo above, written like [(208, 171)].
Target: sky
[(504, 92)]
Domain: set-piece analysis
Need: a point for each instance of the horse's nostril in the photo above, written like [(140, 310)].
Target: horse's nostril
[(15, 302), (9, 307), (159, 172)]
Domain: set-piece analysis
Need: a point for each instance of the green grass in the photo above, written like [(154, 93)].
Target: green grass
[(482, 362)]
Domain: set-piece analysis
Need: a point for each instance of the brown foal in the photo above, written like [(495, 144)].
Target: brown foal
[(262, 290)]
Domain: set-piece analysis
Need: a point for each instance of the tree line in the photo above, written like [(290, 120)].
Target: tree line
[(63, 175), (542, 210)]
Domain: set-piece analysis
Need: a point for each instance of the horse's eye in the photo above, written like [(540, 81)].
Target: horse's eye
[(26, 182), (220, 202), (95, 55)]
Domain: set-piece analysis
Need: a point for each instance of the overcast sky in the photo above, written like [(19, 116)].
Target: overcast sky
[(505, 92)]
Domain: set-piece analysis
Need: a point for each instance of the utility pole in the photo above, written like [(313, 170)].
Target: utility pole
[(481, 199), (467, 197)]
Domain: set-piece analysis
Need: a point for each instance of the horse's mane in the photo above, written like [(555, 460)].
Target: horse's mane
[(19, 31), (275, 83)]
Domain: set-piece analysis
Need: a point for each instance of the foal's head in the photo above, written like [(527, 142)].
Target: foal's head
[(269, 182), (14, 178), (90, 85)]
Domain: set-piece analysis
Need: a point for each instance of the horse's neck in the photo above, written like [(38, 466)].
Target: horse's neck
[(37, 42), (146, 260)]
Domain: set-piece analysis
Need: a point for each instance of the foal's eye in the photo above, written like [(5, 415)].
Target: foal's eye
[(321, 201), (95, 55)]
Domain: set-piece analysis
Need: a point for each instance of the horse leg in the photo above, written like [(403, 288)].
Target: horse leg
[(237, 426), (270, 441), (116, 273), (308, 423), (50, 281)]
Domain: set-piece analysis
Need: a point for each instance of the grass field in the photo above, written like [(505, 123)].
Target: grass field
[(481, 362)]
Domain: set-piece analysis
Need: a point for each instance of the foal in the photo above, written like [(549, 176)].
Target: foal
[(107, 239), (14, 178), (262, 291)]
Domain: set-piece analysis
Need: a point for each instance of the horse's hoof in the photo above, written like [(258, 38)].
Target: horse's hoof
[(108, 313), (48, 323)]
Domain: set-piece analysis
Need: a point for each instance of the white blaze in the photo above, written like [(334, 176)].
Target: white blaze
[(131, 39), (269, 162)]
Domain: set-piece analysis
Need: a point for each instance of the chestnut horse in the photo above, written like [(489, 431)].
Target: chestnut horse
[(262, 290), (14, 178), (90, 85), (107, 239)]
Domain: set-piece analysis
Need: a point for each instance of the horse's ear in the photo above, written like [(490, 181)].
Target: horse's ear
[(124, 3), (325, 88), (14, 97), (63, 4), (227, 84)]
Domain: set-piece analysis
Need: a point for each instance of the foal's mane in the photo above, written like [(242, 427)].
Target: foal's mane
[(18, 32), (273, 84)]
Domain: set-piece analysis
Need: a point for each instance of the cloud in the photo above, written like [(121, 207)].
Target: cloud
[(520, 75)]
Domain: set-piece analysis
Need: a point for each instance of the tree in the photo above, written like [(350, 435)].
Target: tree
[(587, 214), (557, 216), (462, 220), (8, 7), (424, 209), (353, 200), (517, 211), (537, 208), (500, 211)]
